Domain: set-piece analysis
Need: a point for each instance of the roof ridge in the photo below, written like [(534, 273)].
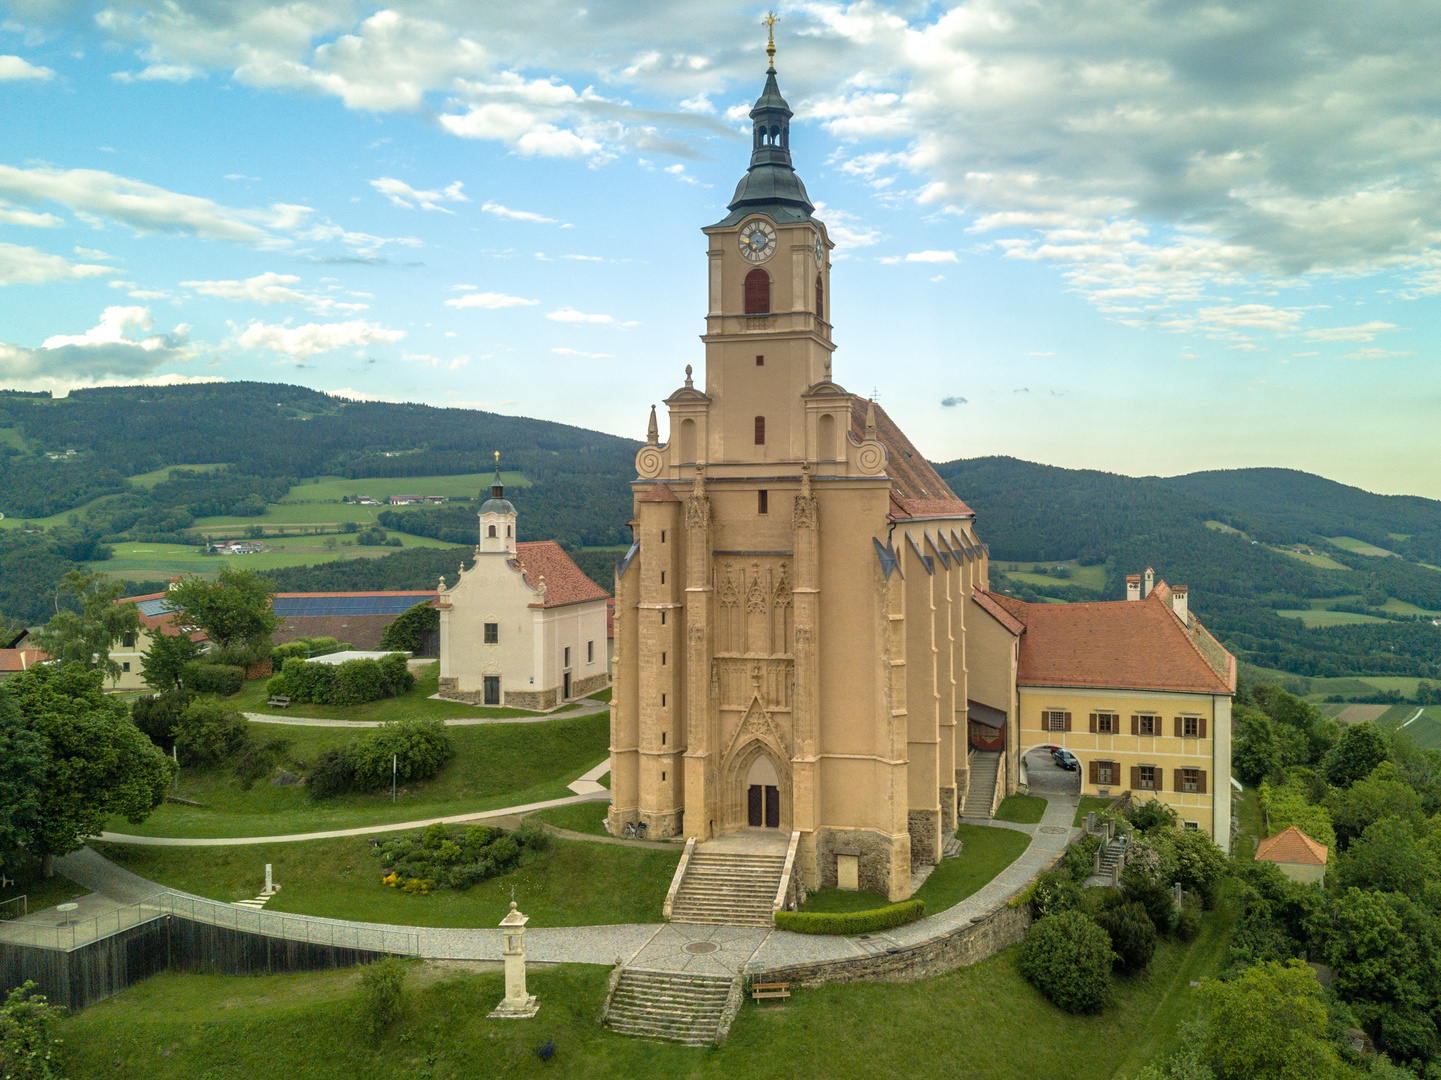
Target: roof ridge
[(1186, 633)]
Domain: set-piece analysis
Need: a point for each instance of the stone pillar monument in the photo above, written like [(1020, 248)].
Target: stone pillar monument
[(517, 1004)]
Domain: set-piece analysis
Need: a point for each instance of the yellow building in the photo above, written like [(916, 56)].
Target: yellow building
[(804, 641), (1138, 691)]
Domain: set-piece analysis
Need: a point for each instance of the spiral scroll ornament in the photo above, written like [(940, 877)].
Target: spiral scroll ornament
[(649, 462), (871, 458)]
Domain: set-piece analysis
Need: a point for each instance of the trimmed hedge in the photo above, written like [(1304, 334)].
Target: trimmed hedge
[(202, 678), (352, 683), (851, 922)]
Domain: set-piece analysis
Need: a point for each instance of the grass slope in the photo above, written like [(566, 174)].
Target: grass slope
[(575, 883), (586, 818), (982, 1022), (1425, 729), (141, 560), (418, 704), (496, 765), (318, 489), (1023, 809), (1317, 617)]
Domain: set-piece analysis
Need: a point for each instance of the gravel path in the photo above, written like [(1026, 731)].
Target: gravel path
[(585, 707)]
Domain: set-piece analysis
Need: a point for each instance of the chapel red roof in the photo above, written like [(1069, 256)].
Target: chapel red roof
[(1119, 645), (917, 490), (565, 582), (20, 659), (1291, 845)]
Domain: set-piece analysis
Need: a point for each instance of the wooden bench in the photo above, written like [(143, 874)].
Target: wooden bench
[(279, 702), (760, 991)]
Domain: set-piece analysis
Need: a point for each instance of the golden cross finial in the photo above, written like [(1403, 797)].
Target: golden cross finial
[(769, 22)]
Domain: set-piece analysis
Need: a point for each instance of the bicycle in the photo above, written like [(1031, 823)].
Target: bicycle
[(634, 830)]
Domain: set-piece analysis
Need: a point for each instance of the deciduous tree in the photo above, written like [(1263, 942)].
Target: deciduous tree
[(235, 610), (1268, 1024), (85, 636), (167, 656)]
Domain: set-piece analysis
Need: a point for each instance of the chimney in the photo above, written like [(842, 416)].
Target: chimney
[(1179, 603), (1133, 586), (1150, 581)]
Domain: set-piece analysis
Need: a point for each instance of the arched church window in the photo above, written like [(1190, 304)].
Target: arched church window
[(820, 298), (491, 533), (507, 530), (758, 292)]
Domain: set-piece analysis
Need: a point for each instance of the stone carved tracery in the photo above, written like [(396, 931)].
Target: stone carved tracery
[(756, 609)]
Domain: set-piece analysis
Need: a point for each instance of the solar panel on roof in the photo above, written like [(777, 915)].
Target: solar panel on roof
[(152, 608), (291, 607)]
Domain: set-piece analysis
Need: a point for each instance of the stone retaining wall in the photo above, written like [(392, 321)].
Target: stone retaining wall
[(981, 938)]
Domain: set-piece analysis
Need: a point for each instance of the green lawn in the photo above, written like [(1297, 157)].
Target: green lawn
[(1022, 809), (1400, 607), (1313, 617), (985, 851), (417, 704), (578, 817), (1087, 577), (575, 883), (41, 892), (1089, 803), (1424, 729), (1248, 817), (1313, 558), (496, 765), (982, 1022), (137, 560), (334, 488)]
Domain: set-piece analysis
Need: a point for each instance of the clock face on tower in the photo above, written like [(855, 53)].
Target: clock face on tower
[(820, 252), (758, 241)]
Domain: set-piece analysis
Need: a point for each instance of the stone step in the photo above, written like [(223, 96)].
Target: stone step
[(673, 1006)]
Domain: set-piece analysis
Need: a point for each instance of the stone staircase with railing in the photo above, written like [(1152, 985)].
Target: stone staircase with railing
[(669, 1005), (728, 888), (1111, 858), (981, 791)]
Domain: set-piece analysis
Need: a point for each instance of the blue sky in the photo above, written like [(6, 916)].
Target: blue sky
[(1147, 239)]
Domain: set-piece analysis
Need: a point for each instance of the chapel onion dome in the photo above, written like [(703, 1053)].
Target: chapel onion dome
[(771, 185), (497, 503)]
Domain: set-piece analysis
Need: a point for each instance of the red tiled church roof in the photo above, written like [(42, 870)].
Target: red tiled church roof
[(917, 490), (1291, 845), (1119, 645), (565, 582), (660, 493), (990, 605)]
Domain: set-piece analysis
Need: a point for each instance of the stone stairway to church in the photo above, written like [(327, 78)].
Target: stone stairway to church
[(728, 888), (669, 1005), (981, 792)]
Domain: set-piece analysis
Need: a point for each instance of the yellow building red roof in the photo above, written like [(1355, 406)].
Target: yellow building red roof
[(1119, 645), (1291, 845)]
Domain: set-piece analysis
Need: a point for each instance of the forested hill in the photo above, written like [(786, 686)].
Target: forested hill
[(1238, 580)]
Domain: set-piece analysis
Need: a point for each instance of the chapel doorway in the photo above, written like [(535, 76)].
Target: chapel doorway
[(763, 795)]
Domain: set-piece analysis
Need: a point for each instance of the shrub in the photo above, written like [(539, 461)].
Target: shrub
[(238, 654), (440, 858), (1152, 814), (205, 678), (1132, 934), (307, 647), (1188, 923), (208, 732), (410, 631), (1068, 958), (1080, 859), (382, 995), (333, 774), (532, 838), (254, 761), (1055, 891), (28, 1043), (1153, 896), (419, 749), (157, 715), (275, 686), (851, 922), (306, 682), (1200, 864), (395, 675), (356, 682)]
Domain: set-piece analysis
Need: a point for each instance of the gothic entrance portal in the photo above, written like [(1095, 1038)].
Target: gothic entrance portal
[(763, 795)]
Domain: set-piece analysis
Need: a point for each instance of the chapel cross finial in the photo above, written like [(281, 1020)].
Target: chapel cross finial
[(769, 22)]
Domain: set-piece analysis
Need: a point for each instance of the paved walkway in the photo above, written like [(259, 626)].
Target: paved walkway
[(584, 707)]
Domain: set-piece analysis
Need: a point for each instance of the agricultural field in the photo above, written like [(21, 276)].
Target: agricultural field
[(139, 561), (1359, 547), (1422, 723), (1313, 558), (1320, 617), (334, 488), (1086, 577), (140, 480)]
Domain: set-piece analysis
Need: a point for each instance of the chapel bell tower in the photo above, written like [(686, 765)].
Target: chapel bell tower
[(497, 518)]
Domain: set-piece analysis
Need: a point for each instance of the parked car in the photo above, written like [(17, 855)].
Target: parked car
[(1065, 759)]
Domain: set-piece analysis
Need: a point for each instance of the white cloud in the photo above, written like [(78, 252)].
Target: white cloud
[(363, 244), (271, 288), (27, 266), (1373, 354), (1250, 317), (10, 215), (517, 215), (15, 68), (175, 73), (577, 352), (922, 257), (299, 343), (104, 354), (402, 194), (145, 207), (459, 362), (488, 300), (571, 315), (1364, 332)]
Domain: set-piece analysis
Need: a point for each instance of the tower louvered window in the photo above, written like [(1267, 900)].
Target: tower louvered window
[(758, 293)]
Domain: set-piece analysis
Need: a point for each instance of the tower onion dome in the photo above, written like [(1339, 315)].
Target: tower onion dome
[(497, 503), (770, 186)]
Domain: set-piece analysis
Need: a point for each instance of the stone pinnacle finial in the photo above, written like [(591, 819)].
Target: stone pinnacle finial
[(769, 22), (652, 432), (689, 382), (870, 420)]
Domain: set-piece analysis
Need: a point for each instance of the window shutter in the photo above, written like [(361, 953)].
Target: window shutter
[(1068, 721), (1180, 727), (1093, 723), (1201, 781), (1201, 727), (1135, 724), (1135, 778), (1094, 772), (758, 292)]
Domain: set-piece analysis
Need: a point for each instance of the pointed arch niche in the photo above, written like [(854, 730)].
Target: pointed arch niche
[(756, 761)]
